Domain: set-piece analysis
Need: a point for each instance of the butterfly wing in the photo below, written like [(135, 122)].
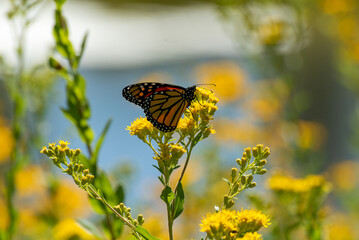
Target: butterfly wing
[(164, 109), (163, 104)]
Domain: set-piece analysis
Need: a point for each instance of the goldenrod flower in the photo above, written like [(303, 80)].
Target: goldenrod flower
[(228, 76), (228, 224), (251, 220), (219, 224), (6, 141), (63, 144), (141, 128), (337, 6), (186, 125), (344, 175), (69, 229), (30, 180), (251, 236), (76, 206), (281, 183)]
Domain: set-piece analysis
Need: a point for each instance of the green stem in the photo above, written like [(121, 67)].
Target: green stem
[(185, 165), (170, 221), (98, 197)]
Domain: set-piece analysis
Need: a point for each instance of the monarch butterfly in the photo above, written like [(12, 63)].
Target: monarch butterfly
[(163, 104)]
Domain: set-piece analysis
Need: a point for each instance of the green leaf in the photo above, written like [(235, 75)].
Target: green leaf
[(88, 134), (83, 45), (144, 233), (120, 194), (178, 202), (227, 181), (167, 195), (100, 141), (55, 64), (197, 138), (97, 206), (102, 182), (59, 3)]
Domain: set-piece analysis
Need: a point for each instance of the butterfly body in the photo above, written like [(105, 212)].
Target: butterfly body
[(163, 104)]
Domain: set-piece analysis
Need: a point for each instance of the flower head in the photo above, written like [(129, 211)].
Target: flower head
[(233, 223), (281, 183), (69, 229), (229, 78), (142, 128), (6, 141), (251, 236)]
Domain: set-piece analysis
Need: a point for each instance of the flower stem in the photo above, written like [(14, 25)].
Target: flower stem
[(170, 221)]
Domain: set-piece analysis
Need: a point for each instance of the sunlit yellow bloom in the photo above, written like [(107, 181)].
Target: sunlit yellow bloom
[(232, 223), (63, 144), (207, 95), (30, 180), (177, 151), (237, 130), (271, 32), (219, 224), (344, 175), (311, 135), (141, 128), (186, 125), (348, 29), (281, 183), (154, 224), (68, 229), (341, 227), (338, 6), (228, 77), (6, 141), (251, 236), (251, 220), (266, 109), (75, 206), (31, 223)]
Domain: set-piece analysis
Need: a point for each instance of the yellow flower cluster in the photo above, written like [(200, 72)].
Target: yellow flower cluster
[(228, 77), (6, 141), (70, 229), (251, 236), (142, 128), (233, 223), (281, 183), (169, 154), (67, 160)]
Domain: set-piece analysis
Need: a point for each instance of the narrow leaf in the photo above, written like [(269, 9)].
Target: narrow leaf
[(178, 202), (144, 233), (83, 45), (100, 141)]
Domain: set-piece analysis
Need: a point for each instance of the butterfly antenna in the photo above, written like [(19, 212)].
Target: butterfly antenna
[(206, 84)]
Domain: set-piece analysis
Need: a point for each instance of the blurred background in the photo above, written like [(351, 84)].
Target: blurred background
[(286, 75)]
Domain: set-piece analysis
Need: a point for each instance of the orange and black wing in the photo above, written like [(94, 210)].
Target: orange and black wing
[(164, 109), (163, 104)]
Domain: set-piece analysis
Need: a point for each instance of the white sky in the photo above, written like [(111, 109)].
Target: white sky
[(125, 38)]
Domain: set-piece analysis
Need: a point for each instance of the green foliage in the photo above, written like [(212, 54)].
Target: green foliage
[(243, 178)]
